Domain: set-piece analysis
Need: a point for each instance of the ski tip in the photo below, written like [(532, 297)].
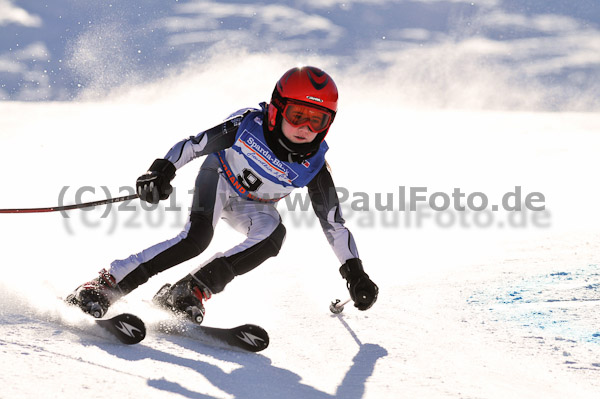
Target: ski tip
[(252, 337), (126, 327)]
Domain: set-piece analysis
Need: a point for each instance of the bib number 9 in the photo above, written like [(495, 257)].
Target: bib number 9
[(249, 180)]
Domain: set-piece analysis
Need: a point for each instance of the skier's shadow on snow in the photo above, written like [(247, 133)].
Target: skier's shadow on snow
[(258, 378)]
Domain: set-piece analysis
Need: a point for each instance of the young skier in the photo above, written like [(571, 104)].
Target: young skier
[(253, 159)]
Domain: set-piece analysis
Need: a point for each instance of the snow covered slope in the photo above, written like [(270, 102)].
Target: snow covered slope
[(489, 304), (464, 311)]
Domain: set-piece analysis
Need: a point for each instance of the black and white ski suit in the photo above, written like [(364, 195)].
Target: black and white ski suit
[(239, 182)]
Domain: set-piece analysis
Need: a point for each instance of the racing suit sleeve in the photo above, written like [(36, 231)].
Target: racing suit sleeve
[(212, 140), (326, 204)]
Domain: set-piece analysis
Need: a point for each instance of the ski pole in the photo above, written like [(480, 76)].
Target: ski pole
[(337, 306), (69, 207)]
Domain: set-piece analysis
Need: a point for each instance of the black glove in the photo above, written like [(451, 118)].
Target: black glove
[(362, 290), (155, 185)]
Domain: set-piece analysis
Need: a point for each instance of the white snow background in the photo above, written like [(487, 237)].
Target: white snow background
[(483, 96)]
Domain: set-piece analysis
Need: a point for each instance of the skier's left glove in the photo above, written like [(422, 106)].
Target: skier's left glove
[(362, 290), (155, 185)]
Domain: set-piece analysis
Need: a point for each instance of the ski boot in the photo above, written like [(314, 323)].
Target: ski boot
[(95, 296), (184, 298)]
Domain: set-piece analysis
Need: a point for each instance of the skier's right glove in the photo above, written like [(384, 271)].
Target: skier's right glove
[(155, 185), (362, 290)]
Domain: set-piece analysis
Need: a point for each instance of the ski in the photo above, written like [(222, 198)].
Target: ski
[(247, 337), (127, 328)]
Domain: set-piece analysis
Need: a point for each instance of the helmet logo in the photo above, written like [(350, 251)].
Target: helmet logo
[(316, 85), (314, 99)]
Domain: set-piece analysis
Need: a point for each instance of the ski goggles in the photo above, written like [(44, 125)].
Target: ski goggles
[(317, 119)]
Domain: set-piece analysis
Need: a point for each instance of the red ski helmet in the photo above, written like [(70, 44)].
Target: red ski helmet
[(307, 85), (316, 93)]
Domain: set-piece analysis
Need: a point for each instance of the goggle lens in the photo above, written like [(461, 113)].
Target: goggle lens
[(299, 115)]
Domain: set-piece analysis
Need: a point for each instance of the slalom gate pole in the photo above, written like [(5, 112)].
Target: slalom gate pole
[(69, 207)]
